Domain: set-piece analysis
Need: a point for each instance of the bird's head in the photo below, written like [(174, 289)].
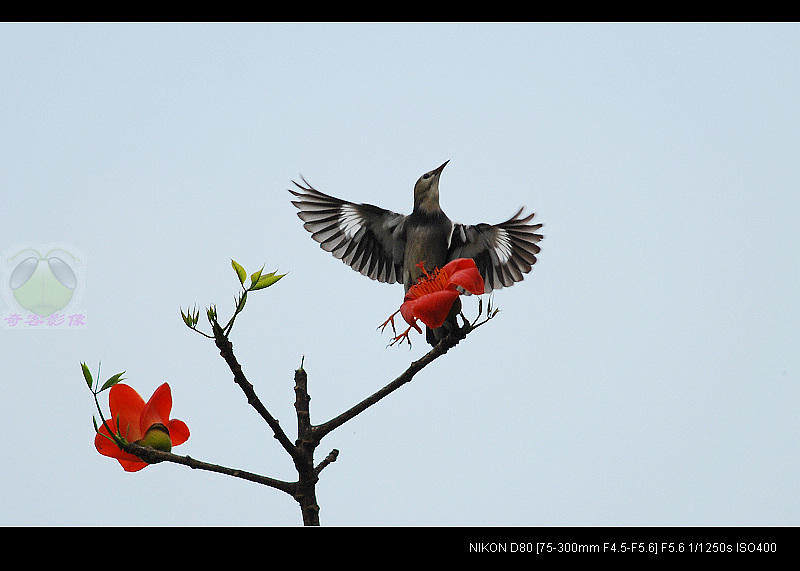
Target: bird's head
[(426, 191)]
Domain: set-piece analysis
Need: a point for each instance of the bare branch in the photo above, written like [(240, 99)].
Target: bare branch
[(226, 350), (152, 456), (450, 341), (328, 459)]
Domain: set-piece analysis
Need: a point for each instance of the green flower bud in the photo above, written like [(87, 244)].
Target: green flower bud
[(157, 436)]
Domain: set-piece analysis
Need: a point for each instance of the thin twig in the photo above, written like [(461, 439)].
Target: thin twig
[(328, 459)]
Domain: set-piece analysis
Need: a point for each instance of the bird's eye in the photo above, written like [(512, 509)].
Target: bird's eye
[(426, 175)]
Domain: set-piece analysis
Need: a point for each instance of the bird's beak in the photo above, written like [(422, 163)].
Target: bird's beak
[(438, 171)]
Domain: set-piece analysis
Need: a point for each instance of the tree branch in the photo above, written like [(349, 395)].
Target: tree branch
[(328, 459), (226, 350), (153, 456), (450, 341)]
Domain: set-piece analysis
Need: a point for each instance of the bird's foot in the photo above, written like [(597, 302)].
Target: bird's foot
[(402, 337), (388, 321), (397, 338)]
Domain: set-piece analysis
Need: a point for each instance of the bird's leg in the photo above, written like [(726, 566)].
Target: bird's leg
[(397, 338), (388, 321)]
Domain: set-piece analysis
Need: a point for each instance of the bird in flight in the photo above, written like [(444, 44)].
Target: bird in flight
[(391, 247)]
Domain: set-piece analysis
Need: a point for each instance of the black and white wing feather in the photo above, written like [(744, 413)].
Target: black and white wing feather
[(503, 252), (367, 238)]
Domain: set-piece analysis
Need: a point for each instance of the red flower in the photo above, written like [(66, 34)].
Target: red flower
[(432, 297), (140, 422)]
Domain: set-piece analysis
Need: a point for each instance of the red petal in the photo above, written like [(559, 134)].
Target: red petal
[(107, 447), (432, 308), (463, 272), (157, 408), (178, 431), (126, 407), (132, 465), (407, 311), (458, 264)]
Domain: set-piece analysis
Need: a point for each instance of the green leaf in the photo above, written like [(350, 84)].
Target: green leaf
[(255, 276), (267, 280), (112, 381), (239, 271), (87, 375)]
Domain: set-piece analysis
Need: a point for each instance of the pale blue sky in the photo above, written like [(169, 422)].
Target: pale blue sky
[(645, 373)]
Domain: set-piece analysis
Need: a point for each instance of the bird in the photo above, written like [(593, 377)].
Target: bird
[(395, 248)]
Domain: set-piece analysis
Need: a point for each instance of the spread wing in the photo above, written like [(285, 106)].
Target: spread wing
[(502, 252), (367, 238)]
